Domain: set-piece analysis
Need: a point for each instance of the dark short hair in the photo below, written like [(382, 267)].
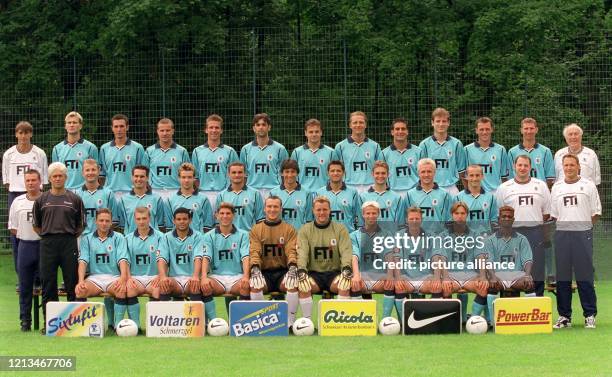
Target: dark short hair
[(100, 211), (141, 167), (290, 164), (120, 117), (336, 162), (184, 210)]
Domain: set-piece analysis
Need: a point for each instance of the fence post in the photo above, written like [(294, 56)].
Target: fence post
[(254, 70), (345, 58), (74, 84), (163, 80)]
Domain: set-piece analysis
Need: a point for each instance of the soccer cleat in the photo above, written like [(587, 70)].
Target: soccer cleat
[(562, 322), (43, 331), (26, 326), (589, 322)]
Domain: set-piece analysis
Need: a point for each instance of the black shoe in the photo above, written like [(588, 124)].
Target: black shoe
[(26, 326), (140, 332), (111, 329), (43, 331)]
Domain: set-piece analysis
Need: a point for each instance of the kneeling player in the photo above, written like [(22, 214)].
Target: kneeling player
[(273, 257), (104, 253), (226, 255), (324, 257)]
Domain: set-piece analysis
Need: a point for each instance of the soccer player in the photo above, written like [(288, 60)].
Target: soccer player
[(93, 195), (324, 257), (164, 159), (491, 157), (530, 199), (247, 201), (446, 151), (118, 157), (402, 157), (212, 158), (482, 215), (345, 202), (226, 256), (28, 254), (297, 201), (358, 153), (390, 203), (273, 256), (140, 196), (189, 197), (543, 165), (434, 202), (589, 163), (576, 207), (74, 150), (263, 156), (104, 255), (313, 157)]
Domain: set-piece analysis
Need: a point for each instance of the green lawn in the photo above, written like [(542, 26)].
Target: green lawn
[(570, 352)]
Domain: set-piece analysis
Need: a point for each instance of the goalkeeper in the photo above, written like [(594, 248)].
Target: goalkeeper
[(273, 257), (325, 256)]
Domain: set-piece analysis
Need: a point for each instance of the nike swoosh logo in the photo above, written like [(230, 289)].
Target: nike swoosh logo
[(417, 324), (213, 326), (385, 324), (300, 328)]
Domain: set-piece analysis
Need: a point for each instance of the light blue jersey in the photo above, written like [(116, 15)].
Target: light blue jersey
[(493, 160), (448, 156), (73, 155), (129, 202), (202, 215), (297, 205), (458, 248), (225, 252), (93, 201), (542, 162), (164, 165), (417, 251), (103, 255), (516, 249), (313, 165), (435, 206), (391, 206), (211, 165), (358, 160), (180, 253), (482, 213), (248, 206), (403, 172), (345, 205), (116, 164), (369, 260), (263, 164), (143, 252)]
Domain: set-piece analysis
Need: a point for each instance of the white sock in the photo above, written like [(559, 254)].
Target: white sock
[(257, 295), (306, 304), (532, 294), (292, 303), (340, 297)]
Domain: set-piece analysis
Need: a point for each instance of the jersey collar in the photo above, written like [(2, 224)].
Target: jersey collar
[(243, 188), (205, 145), (151, 231), (179, 193), (172, 146), (512, 235), (342, 188), (377, 230), (148, 192), (84, 188), (128, 141), (189, 233), (254, 142), (433, 138), (467, 191), (535, 146), (306, 147), (477, 145), (273, 223), (109, 235), (80, 141), (371, 189), (218, 229), (352, 141), (420, 188), (322, 226), (297, 188), (394, 148)]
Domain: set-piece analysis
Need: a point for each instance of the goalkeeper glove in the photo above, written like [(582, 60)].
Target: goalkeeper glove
[(344, 283), (256, 280), (291, 281), (304, 284)]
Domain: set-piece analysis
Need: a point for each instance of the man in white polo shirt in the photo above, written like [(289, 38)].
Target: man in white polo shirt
[(589, 163), (576, 207)]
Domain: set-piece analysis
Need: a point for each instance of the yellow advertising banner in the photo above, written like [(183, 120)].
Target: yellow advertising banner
[(523, 315), (347, 318)]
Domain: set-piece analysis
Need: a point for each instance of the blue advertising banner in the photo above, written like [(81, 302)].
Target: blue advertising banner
[(259, 318)]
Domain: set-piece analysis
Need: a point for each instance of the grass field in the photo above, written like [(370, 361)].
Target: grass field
[(569, 352)]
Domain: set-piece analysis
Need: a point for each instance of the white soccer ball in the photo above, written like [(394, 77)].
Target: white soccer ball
[(303, 327), (389, 326), (476, 325), (218, 327), (126, 327)]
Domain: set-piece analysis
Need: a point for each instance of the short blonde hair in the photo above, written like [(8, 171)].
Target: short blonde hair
[(321, 199), (74, 114)]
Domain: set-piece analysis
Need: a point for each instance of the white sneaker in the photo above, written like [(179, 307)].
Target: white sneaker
[(589, 322), (562, 322)]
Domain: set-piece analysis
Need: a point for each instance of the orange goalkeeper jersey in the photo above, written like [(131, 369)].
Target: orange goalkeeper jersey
[(272, 245)]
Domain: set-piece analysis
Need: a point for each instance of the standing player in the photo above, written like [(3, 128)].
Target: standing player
[(119, 156), (402, 157), (164, 159), (390, 203), (324, 257), (297, 201), (247, 202), (189, 197), (74, 150), (589, 163), (345, 202), (313, 157), (491, 157), (28, 254), (541, 157), (446, 151), (263, 156), (212, 158), (93, 195), (576, 207), (273, 257), (482, 215), (530, 199), (140, 196), (358, 153)]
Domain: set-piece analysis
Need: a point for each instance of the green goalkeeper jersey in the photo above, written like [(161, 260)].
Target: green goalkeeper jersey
[(324, 248)]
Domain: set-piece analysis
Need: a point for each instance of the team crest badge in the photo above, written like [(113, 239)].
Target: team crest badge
[(333, 242), (281, 240), (246, 201), (99, 202), (538, 160), (367, 154), (485, 205), (189, 247), (152, 248), (321, 161), (109, 248), (388, 202), (298, 202), (157, 252), (128, 157), (79, 154), (234, 245), (344, 202), (410, 161), (172, 159), (493, 158), (434, 202), (449, 153), (270, 157), (536, 188), (220, 159), (194, 206), (149, 206), (581, 188)]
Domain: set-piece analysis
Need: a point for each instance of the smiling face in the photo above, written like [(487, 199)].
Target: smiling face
[(289, 176), (426, 174), (399, 132), (370, 215), (335, 173), (484, 132), (236, 175), (522, 168), (380, 175), (139, 179), (272, 209), (91, 172), (440, 124), (357, 125), (57, 179), (529, 130), (321, 212), (261, 128), (213, 130), (225, 216), (571, 168), (32, 182), (573, 138), (181, 221), (313, 134), (104, 222)]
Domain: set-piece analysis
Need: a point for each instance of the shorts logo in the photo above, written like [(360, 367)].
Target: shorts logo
[(246, 201), (434, 202), (333, 242), (128, 157)]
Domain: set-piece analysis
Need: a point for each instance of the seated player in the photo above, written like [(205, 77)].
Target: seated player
[(324, 257), (225, 267), (103, 252), (273, 256)]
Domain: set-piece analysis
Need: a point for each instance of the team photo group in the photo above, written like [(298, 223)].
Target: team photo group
[(438, 218)]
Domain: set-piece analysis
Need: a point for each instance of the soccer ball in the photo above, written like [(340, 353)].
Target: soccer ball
[(127, 327), (476, 325), (389, 326), (218, 327), (303, 327)]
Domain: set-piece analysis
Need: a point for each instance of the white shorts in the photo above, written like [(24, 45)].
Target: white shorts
[(212, 198), (453, 190), (359, 188), (102, 281), (508, 278), (417, 284), (462, 277), (164, 193), (145, 280), (370, 279), (182, 281), (226, 281)]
